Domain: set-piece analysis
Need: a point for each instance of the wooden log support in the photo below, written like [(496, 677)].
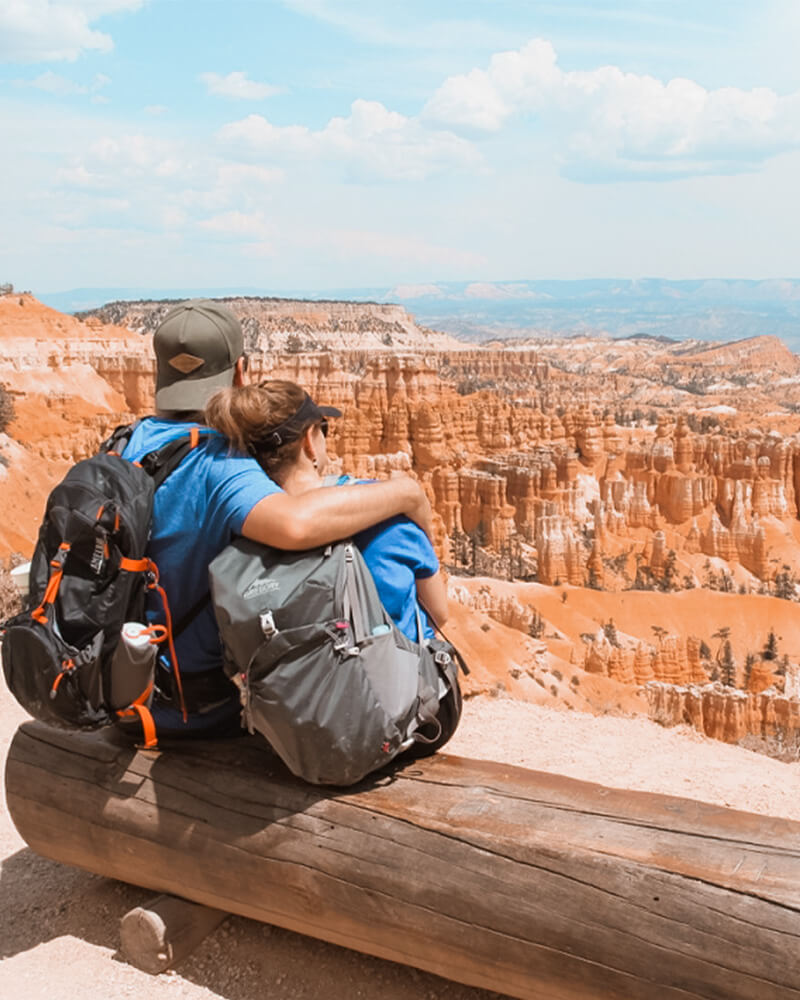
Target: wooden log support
[(530, 884), (161, 934)]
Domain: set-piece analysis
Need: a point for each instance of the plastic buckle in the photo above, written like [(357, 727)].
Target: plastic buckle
[(442, 657), (340, 633), (267, 623)]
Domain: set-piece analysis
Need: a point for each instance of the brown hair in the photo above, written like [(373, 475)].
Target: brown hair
[(244, 413)]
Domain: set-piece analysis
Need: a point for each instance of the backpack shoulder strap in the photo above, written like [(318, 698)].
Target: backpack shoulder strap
[(186, 620), (159, 465), (118, 439), (165, 460), (459, 655)]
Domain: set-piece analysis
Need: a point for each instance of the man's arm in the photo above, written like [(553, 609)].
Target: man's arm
[(325, 515)]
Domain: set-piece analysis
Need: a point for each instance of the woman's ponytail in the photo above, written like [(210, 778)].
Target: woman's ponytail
[(245, 413)]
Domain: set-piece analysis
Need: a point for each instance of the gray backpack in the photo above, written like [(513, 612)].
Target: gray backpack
[(324, 674)]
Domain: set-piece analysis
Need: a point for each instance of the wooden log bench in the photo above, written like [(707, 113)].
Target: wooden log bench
[(530, 884)]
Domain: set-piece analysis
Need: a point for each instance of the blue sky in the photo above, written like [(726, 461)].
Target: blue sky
[(312, 144)]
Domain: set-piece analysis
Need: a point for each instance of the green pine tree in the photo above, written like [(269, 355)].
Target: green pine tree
[(727, 666), (770, 651)]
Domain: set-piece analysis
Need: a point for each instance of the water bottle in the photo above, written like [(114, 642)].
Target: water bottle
[(133, 665)]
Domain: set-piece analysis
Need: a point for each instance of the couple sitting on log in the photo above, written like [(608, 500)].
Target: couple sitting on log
[(255, 474)]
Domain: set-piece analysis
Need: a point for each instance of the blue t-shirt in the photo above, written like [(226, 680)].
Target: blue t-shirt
[(398, 553), (197, 511)]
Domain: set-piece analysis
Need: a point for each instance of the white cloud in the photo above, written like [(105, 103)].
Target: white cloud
[(237, 85), (156, 109), (255, 132), (239, 225), (55, 30), (401, 26), (372, 141), (171, 184), (239, 175), (76, 176), (116, 161), (54, 83), (618, 123), (136, 154)]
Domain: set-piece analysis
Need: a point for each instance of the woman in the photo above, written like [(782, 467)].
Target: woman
[(278, 423)]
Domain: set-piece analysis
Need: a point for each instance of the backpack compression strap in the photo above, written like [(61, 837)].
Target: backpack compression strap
[(159, 465), (51, 592), (139, 706)]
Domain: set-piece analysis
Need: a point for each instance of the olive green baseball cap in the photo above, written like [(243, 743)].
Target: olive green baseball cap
[(197, 345)]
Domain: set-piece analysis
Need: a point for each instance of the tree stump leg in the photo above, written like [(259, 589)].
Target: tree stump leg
[(159, 935)]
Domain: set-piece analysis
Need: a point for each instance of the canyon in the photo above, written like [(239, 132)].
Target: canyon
[(619, 519)]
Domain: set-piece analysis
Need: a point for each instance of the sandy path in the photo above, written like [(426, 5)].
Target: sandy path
[(59, 926)]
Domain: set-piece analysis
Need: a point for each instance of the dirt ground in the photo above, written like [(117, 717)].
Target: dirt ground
[(59, 927)]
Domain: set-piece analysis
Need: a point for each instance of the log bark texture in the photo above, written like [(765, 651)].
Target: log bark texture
[(530, 884)]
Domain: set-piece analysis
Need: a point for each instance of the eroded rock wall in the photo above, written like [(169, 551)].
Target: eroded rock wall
[(726, 714)]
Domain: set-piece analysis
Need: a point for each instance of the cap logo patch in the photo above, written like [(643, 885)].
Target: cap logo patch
[(186, 363)]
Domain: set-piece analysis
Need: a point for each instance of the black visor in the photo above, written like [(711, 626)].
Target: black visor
[(308, 413)]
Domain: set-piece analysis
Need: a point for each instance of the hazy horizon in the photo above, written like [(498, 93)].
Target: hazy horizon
[(699, 309)]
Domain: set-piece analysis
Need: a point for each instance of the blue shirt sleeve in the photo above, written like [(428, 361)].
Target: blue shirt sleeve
[(401, 541), (236, 486)]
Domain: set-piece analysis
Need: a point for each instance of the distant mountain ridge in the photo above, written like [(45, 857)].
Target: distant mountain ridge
[(701, 309)]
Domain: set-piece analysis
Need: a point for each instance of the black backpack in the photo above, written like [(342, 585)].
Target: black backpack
[(89, 575)]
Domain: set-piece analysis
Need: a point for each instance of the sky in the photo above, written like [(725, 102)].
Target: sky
[(313, 144)]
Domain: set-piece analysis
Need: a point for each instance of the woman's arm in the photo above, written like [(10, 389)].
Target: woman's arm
[(432, 595), (320, 516)]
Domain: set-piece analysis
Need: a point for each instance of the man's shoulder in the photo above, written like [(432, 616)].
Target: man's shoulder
[(152, 433)]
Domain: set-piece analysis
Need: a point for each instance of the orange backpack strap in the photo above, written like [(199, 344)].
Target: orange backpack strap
[(140, 708), (51, 592)]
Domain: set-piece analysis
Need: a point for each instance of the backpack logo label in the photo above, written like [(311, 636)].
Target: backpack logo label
[(260, 587)]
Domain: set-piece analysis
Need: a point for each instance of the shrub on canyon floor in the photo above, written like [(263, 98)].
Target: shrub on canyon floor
[(780, 746), (536, 626), (10, 602), (6, 408)]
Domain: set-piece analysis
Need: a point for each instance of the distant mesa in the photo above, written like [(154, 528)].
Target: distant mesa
[(273, 324)]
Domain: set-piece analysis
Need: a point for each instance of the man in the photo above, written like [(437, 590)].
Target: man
[(214, 496)]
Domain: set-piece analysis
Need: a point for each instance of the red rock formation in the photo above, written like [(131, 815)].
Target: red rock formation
[(725, 713), (559, 551)]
